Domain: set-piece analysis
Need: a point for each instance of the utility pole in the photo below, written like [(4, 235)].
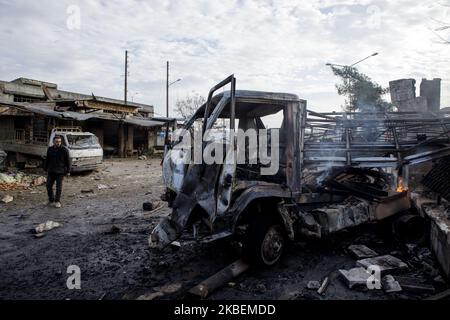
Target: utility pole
[(126, 76), (167, 91)]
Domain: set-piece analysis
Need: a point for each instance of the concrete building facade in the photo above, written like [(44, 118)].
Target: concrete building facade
[(403, 95), (29, 109)]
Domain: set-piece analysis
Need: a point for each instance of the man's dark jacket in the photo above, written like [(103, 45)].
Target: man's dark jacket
[(58, 160)]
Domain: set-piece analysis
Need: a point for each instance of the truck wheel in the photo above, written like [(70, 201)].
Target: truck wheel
[(265, 241)]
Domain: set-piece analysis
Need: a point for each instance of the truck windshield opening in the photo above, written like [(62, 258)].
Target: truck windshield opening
[(82, 141)]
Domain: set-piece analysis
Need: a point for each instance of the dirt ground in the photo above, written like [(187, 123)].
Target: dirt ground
[(105, 232)]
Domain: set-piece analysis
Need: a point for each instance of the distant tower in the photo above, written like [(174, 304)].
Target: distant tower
[(431, 90)]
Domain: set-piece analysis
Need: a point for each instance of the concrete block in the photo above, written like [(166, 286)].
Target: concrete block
[(354, 277), (390, 284), (402, 90), (431, 91), (361, 251), (385, 263)]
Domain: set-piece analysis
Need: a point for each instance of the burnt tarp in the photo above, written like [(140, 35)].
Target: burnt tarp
[(48, 109), (438, 179)]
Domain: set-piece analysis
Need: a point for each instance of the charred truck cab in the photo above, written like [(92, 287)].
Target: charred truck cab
[(311, 174)]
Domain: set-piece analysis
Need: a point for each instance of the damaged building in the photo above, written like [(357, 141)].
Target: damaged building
[(30, 109)]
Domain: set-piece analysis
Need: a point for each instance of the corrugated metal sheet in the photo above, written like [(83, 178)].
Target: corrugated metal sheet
[(47, 109), (438, 179)]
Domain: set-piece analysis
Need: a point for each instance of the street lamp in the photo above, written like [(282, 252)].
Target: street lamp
[(174, 82), (167, 89), (340, 65)]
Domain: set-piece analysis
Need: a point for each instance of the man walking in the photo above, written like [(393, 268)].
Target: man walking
[(57, 165)]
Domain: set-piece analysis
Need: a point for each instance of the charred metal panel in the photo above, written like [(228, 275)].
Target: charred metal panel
[(438, 179), (336, 217)]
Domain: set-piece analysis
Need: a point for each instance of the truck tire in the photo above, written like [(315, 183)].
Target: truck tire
[(265, 241)]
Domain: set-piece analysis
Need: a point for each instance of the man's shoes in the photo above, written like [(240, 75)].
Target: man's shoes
[(57, 204)]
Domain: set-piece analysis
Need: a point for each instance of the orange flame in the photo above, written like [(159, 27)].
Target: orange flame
[(400, 185)]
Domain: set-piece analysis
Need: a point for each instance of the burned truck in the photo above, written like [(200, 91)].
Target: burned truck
[(333, 170)]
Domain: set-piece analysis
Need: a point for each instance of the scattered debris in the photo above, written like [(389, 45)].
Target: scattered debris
[(19, 180), (324, 286), (7, 199), (390, 284), (355, 277), (439, 279), (176, 244), (217, 280), (87, 191), (160, 291), (114, 230), (102, 187), (386, 263), (39, 181), (142, 158), (440, 295), (5, 178), (170, 288), (231, 284), (47, 226), (261, 288), (39, 235), (313, 285), (415, 284), (159, 206), (361, 251), (150, 296), (147, 206)]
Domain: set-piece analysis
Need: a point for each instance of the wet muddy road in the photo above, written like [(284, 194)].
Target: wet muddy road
[(104, 231)]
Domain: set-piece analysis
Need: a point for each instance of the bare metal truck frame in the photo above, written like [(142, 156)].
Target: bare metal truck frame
[(85, 152), (336, 170)]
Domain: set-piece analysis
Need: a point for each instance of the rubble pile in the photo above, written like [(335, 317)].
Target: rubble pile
[(20, 181), (418, 275)]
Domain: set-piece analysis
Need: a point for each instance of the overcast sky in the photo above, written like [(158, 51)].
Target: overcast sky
[(268, 45)]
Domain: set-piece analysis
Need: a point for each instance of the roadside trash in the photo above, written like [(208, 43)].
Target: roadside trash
[(150, 296), (386, 263), (7, 199), (39, 181), (5, 178), (415, 284), (313, 285), (39, 235), (142, 158), (87, 191), (324, 286), (47, 226), (354, 277), (390, 284), (176, 244), (261, 288), (147, 206), (20, 181), (361, 251), (114, 230), (102, 187)]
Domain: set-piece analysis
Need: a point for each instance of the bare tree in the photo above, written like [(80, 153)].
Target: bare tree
[(187, 107), (442, 32)]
